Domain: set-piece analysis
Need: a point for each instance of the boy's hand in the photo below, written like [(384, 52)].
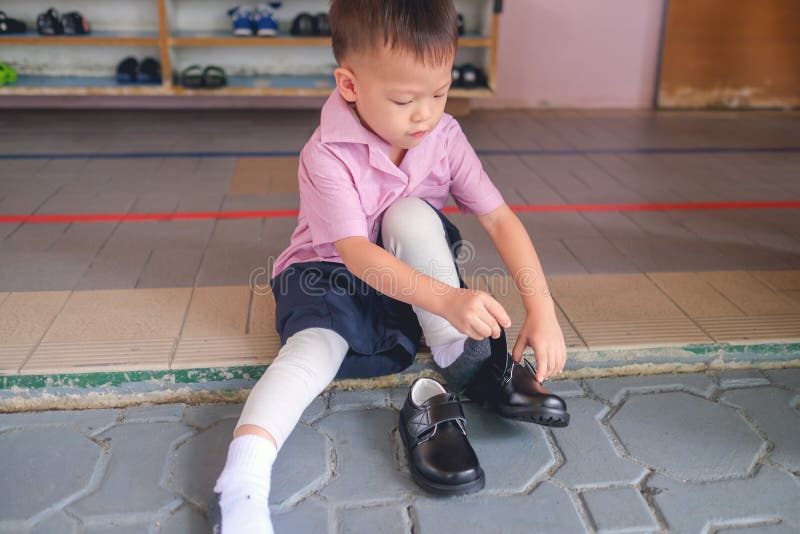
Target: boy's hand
[(543, 334), (475, 313)]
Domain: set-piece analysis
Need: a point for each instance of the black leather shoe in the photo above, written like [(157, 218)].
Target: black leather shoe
[(433, 429), (511, 389)]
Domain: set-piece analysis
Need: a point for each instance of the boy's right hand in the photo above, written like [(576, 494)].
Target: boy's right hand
[(475, 313)]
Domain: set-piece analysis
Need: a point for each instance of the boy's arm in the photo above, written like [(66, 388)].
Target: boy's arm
[(473, 313), (541, 329)]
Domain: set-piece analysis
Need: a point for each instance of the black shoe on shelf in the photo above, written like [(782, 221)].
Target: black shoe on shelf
[(9, 25), (73, 23), (433, 428), (303, 25), (149, 71), (511, 389), (322, 24), (49, 23)]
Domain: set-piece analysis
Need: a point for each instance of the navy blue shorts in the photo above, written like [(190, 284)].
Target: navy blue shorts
[(383, 333)]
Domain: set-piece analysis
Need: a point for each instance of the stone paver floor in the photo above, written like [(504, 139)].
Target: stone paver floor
[(705, 452)]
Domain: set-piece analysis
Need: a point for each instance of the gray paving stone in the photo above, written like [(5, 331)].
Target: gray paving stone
[(33, 237), (352, 400), (397, 397), (598, 255), (131, 483), (33, 456), (194, 479), (86, 421), (565, 388), (390, 519), (619, 510), (778, 528), (769, 495), (615, 389), (41, 271), (309, 517), (514, 455), (59, 523), (115, 268), (315, 410), (302, 466), (554, 513), (590, 459), (789, 378), (185, 520), (741, 378), (224, 266), (205, 415), (366, 468), (153, 414), (118, 526), (774, 412), (653, 427)]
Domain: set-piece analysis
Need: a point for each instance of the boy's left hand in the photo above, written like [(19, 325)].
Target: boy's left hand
[(543, 334)]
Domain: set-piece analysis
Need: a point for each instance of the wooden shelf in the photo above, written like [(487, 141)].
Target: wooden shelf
[(93, 39), (167, 40)]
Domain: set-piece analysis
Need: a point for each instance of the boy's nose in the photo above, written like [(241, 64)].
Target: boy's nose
[(421, 113)]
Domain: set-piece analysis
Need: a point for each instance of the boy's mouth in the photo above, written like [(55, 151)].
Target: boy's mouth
[(420, 133)]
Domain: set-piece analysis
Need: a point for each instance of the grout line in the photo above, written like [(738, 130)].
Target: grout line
[(44, 333)]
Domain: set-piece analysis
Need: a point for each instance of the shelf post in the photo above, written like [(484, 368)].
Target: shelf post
[(163, 43)]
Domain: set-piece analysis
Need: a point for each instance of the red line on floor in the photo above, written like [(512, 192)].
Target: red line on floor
[(270, 214)]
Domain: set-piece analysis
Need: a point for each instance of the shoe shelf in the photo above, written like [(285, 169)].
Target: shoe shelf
[(177, 44), (96, 38)]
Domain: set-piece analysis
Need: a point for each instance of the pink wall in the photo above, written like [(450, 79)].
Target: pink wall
[(577, 53)]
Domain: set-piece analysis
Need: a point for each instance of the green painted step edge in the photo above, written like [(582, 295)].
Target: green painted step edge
[(763, 352)]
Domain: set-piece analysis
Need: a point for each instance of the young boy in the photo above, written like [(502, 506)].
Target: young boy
[(370, 263)]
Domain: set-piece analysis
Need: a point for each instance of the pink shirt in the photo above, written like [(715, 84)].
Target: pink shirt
[(347, 180)]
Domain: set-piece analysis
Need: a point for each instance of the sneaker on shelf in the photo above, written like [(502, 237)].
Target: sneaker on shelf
[(74, 24), (266, 23), (49, 23), (242, 17), (9, 25)]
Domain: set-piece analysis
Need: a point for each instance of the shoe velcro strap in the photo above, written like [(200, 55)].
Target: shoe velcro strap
[(440, 412)]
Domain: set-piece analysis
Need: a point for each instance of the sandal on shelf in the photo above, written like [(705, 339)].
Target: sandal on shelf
[(214, 77), (192, 77)]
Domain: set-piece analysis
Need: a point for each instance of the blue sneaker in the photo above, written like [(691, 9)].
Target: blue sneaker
[(266, 24), (242, 20)]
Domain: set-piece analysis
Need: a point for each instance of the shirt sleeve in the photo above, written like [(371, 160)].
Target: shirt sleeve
[(471, 187), (329, 199)]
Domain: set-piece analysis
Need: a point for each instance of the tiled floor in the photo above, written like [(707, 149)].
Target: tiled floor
[(88, 296)]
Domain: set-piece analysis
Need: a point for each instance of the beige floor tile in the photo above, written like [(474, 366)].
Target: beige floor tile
[(751, 328), (250, 177), (619, 297), (283, 175), (259, 176), (262, 315), (98, 356), (3, 296), (115, 315), (12, 357), (675, 331), (794, 295), (225, 351), (780, 280), (217, 311), (694, 295), (25, 316), (750, 294)]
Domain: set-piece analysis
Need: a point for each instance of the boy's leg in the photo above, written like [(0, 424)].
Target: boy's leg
[(304, 367), (413, 232)]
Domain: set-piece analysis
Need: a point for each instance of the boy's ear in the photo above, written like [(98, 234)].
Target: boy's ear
[(346, 83)]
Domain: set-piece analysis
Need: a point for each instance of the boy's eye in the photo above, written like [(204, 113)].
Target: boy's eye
[(402, 103), (440, 96)]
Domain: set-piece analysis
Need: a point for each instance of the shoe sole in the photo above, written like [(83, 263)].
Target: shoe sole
[(541, 416), (435, 487), (266, 33), (243, 32)]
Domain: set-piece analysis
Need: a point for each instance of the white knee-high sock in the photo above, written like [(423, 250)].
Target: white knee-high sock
[(244, 486), (446, 354)]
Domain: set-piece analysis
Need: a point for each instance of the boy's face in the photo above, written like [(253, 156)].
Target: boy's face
[(397, 96)]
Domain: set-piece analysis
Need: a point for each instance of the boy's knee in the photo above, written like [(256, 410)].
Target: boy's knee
[(410, 218)]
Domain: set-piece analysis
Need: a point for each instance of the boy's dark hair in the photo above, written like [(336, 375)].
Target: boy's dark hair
[(426, 28)]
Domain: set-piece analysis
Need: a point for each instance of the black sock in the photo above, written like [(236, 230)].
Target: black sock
[(459, 373)]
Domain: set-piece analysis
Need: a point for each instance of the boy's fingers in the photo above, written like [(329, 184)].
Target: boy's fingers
[(497, 311), (519, 348)]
